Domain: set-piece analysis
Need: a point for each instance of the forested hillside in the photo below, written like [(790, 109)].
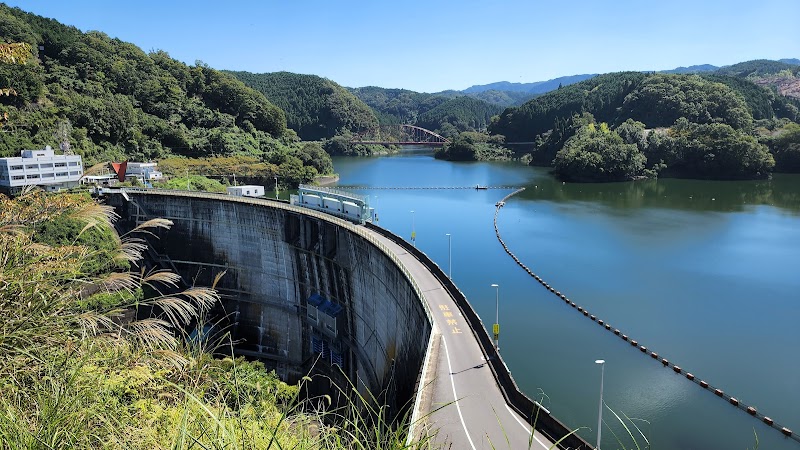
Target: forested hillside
[(445, 114), (459, 114), (316, 108), (493, 97), (109, 100), (630, 124), (601, 96)]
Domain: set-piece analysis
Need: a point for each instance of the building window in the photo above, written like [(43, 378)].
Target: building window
[(61, 174), (73, 163), (32, 166), (74, 173), (47, 175), (34, 176), (61, 164), (16, 167), (18, 177)]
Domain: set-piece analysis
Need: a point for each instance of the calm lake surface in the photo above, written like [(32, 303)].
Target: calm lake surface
[(705, 273)]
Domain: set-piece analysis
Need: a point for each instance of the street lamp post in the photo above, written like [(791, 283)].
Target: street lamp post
[(276, 188), (413, 230), (600, 412), (496, 328), (449, 256)]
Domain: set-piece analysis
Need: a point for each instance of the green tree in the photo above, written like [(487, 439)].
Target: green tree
[(598, 154)]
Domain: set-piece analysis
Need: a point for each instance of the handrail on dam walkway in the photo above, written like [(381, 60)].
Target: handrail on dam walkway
[(523, 405)]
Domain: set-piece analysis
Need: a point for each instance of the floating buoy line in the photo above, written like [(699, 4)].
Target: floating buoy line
[(751, 410)]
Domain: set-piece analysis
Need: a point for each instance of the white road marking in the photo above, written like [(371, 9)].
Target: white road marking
[(525, 426), (455, 396)]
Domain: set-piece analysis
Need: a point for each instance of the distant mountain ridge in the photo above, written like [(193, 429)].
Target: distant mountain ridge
[(693, 69), (541, 87), (536, 87)]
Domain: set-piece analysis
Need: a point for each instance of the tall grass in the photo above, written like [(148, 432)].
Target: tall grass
[(78, 371)]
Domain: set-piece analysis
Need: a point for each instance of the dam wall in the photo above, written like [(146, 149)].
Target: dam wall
[(303, 292)]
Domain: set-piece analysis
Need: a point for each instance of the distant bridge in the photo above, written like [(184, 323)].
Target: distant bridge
[(399, 135)]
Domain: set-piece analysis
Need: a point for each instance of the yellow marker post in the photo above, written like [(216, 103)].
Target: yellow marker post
[(496, 330)]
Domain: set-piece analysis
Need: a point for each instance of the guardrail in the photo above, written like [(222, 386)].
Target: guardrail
[(536, 416)]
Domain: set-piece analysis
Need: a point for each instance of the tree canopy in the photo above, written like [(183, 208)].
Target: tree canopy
[(316, 108), (109, 100)]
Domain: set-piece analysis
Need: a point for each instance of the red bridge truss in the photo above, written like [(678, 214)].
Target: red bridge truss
[(399, 135)]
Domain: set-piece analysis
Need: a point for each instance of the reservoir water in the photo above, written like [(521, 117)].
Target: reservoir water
[(706, 273)]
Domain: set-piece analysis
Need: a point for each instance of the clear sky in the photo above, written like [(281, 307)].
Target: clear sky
[(429, 46)]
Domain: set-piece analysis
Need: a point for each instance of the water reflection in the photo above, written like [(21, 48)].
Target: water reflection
[(782, 191)]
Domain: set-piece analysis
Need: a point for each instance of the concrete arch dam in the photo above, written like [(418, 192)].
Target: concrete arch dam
[(303, 288)]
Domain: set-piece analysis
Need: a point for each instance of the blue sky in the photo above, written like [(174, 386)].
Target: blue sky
[(430, 46)]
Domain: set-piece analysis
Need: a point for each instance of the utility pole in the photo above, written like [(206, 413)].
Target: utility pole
[(600, 412), (496, 328)]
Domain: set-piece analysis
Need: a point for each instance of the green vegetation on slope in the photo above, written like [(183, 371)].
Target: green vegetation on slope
[(458, 114), (444, 114), (763, 104), (109, 100), (474, 146), (685, 126), (601, 96), (757, 68), (397, 106), (80, 370), (316, 108), (595, 153)]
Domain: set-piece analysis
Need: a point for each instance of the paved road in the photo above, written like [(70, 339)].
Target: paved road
[(476, 415)]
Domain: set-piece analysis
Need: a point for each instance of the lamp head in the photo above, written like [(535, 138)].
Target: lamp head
[(600, 361), (495, 285)]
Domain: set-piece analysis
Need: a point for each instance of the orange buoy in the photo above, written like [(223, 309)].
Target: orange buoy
[(616, 331), (634, 343), (676, 369), (704, 384), (643, 348), (624, 337), (608, 327), (654, 355), (689, 376), (767, 420), (733, 401), (718, 392), (665, 361), (751, 411), (593, 317), (786, 431)]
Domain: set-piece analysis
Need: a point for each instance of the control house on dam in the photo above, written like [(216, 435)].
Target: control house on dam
[(303, 291)]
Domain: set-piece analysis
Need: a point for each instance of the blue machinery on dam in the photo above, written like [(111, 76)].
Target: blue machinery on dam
[(305, 290)]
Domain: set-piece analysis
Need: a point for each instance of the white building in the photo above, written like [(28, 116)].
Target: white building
[(40, 168), (246, 191), (143, 171)]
